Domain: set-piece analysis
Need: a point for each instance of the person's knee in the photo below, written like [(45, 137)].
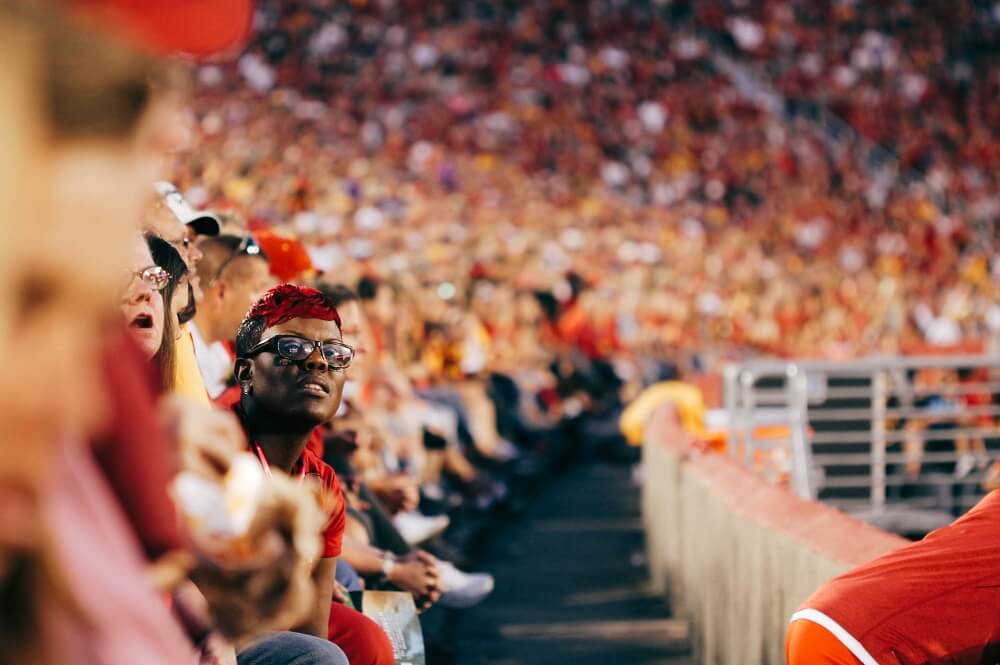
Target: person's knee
[(292, 649), (376, 649), (363, 640), (319, 652), (382, 647)]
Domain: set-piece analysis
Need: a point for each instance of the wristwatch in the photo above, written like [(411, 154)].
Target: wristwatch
[(388, 564)]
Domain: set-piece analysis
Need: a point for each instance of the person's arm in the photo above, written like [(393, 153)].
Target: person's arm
[(191, 609), (365, 559), (324, 576), (396, 492), (416, 573), (170, 570)]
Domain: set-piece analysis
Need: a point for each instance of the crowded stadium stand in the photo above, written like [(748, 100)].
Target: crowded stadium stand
[(499, 331)]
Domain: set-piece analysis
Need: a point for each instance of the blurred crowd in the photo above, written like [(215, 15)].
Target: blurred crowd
[(915, 78), (524, 143), (301, 318)]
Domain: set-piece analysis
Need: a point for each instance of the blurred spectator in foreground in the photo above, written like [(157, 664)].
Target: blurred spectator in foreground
[(74, 580), (86, 96)]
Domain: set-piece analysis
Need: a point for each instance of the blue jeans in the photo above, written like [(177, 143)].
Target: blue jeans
[(292, 649), (347, 576)]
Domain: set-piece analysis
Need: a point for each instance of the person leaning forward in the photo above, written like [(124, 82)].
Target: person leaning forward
[(934, 601)]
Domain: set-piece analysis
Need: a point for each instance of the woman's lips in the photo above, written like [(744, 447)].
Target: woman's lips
[(314, 387), (141, 321)]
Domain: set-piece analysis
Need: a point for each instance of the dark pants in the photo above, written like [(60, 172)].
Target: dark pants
[(292, 649), (381, 531)]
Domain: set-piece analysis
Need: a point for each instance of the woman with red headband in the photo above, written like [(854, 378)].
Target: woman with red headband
[(290, 367)]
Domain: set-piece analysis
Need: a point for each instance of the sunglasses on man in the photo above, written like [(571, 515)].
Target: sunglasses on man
[(247, 246), (337, 354)]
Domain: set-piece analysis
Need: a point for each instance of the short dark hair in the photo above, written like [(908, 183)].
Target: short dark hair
[(339, 294), (250, 332), (367, 288), (219, 252)]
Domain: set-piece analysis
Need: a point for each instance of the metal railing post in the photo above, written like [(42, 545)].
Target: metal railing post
[(798, 404), (747, 379), (731, 403), (880, 389)]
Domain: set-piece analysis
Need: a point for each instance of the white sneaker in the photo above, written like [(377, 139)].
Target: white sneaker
[(433, 491), (463, 590), (417, 528), (964, 466), (982, 460), (505, 451)]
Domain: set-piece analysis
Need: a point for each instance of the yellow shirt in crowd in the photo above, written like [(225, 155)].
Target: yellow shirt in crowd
[(688, 399), (187, 376)]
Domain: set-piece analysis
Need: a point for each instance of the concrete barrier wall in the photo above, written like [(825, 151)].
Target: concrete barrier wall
[(737, 555)]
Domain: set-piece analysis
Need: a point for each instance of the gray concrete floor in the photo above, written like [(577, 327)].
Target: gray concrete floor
[(571, 583)]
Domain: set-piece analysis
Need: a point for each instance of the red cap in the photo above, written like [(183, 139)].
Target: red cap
[(288, 257), (192, 27)]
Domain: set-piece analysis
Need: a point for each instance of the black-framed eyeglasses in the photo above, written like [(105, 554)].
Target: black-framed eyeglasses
[(154, 277), (247, 247), (337, 354)]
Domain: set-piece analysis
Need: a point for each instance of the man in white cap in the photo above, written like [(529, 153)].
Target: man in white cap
[(181, 227)]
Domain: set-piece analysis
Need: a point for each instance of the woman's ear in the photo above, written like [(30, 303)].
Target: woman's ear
[(244, 374)]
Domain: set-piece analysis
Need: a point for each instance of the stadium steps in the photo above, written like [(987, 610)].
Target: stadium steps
[(572, 586)]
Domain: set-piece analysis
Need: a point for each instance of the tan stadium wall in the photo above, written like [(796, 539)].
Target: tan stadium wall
[(736, 554)]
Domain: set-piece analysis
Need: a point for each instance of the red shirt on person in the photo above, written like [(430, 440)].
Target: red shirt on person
[(364, 642), (310, 464), (935, 601), (333, 535)]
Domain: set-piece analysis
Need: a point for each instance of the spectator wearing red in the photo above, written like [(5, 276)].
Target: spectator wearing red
[(911, 605), (290, 368)]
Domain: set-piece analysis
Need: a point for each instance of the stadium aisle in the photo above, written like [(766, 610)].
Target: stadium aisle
[(571, 584)]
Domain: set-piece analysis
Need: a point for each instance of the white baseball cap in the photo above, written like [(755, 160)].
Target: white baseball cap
[(203, 222)]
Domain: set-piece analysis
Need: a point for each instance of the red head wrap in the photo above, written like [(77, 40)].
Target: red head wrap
[(287, 301)]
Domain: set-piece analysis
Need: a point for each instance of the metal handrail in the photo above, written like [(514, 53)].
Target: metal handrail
[(864, 459), (851, 415), (865, 366), (756, 387), (862, 392), (895, 436)]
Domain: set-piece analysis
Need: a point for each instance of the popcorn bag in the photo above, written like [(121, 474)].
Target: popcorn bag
[(257, 537)]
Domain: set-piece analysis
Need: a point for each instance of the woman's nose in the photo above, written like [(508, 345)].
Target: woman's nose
[(140, 292), (316, 360)]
